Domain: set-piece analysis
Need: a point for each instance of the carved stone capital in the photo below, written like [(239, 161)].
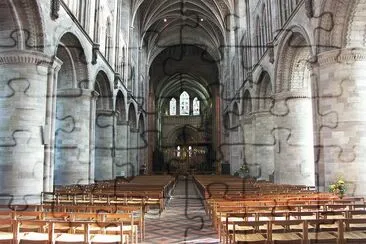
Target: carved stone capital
[(344, 56), (25, 57)]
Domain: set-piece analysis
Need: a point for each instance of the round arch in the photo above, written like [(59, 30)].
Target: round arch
[(297, 40), (74, 70), (102, 87)]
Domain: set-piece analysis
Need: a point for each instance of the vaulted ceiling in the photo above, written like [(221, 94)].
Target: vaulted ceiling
[(195, 22)]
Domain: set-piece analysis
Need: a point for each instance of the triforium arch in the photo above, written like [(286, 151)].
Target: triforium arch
[(264, 92), (121, 108), (72, 120), (247, 103), (104, 124), (294, 106)]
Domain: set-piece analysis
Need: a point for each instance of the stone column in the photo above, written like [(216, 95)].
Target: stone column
[(236, 147), (121, 159), (293, 134), (49, 129), (133, 151), (92, 112), (72, 136), (263, 144), (24, 80), (341, 113), (142, 146), (104, 145), (218, 124)]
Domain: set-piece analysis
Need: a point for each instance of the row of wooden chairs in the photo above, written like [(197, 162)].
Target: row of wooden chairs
[(337, 231), (141, 190), (49, 231), (125, 224), (225, 225)]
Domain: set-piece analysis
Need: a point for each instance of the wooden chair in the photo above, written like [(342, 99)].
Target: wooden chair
[(41, 231), (250, 237), (127, 221), (319, 234), (355, 234)]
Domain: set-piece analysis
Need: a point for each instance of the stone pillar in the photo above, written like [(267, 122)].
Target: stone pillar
[(218, 147), (342, 118), (24, 81), (121, 158), (49, 129), (93, 102), (293, 134), (142, 146), (235, 147), (133, 151), (104, 144), (72, 136), (152, 131), (264, 144)]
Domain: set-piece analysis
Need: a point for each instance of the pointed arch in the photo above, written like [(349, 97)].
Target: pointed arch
[(132, 121), (196, 106), (121, 107), (235, 116), (173, 107), (141, 124), (184, 103), (247, 103), (264, 92)]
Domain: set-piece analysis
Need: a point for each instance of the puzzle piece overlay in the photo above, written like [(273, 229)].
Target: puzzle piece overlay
[(289, 120)]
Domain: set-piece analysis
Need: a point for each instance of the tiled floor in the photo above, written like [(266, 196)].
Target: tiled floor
[(183, 221)]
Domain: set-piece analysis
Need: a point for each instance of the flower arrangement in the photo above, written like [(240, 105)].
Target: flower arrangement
[(242, 171), (339, 187)]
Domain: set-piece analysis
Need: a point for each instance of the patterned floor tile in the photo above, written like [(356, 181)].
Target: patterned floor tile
[(183, 221)]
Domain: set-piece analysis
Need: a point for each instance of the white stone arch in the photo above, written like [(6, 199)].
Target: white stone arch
[(141, 123), (103, 88), (71, 52), (247, 107), (132, 116), (264, 91), (235, 116), (121, 107), (296, 38)]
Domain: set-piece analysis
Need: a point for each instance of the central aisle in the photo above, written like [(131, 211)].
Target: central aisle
[(183, 221)]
